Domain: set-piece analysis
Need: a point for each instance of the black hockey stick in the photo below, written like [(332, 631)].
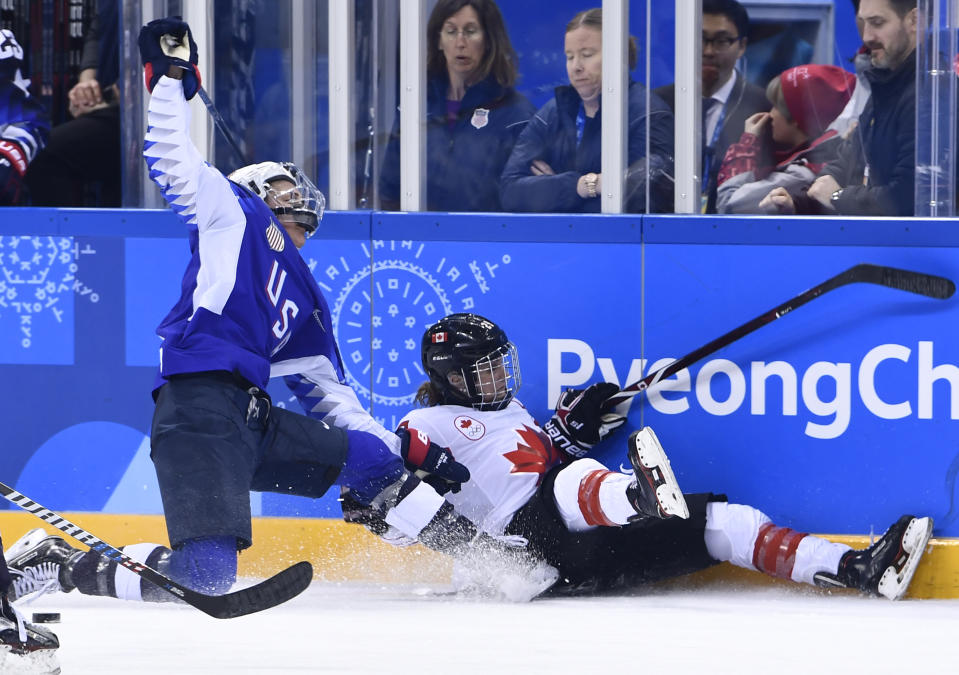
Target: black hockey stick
[(172, 42), (905, 280), (276, 590), (221, 125)]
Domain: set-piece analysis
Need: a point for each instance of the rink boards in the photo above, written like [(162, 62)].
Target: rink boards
[(836, 418)]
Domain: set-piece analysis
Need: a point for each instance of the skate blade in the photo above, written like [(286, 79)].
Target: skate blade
[(893, 585), (655, 463)]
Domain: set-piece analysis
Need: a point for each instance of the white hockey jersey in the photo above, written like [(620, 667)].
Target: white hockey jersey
[(505, 451)]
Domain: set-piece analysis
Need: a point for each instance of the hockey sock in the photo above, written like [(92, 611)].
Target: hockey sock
[(588, 495), (205, 564), (746, 537), (370, 466)]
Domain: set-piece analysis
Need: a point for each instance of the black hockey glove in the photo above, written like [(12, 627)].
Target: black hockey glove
[(431, 463), (583, 419), (362, 514), (13, 164), (164, 43)]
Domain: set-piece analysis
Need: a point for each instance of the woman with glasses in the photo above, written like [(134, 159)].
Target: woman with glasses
[(557, 162), (474, 113)]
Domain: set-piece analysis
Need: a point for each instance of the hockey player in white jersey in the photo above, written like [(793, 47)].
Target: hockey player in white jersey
[(249, 310), (603, 529)]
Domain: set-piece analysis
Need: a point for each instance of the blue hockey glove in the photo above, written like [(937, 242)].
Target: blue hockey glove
[(583, 419), (168, 42), (430, 462)]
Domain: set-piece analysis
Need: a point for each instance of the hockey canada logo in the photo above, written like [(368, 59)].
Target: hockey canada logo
[(275, 238), (469, 427)]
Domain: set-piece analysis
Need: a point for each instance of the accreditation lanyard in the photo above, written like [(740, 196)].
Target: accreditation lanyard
[(580, 123), (708, 157)]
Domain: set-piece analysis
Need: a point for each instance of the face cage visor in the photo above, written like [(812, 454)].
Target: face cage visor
[(494, 379), (304, 202)]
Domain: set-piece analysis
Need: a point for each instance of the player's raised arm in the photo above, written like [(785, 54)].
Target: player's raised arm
[(171, 74)]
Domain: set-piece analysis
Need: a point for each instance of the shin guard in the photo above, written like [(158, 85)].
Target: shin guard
[(775, 550)]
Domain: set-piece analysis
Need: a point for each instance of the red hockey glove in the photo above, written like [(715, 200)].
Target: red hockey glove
[(13, 164), (430, 462)]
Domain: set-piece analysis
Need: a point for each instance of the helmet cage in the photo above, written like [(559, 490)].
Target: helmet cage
[(303, 202), (470, 362), (492, 380)]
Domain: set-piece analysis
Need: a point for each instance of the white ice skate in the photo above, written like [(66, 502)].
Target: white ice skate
[(654, 491)]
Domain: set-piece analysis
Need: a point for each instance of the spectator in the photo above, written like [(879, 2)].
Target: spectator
[(556, 163), (728, 99), (84, 153), (806, 99), (874, 172), (23, 121), (474, 113)]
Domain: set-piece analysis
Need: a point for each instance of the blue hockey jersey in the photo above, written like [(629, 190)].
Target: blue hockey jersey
[(23, 119), (249, 303)]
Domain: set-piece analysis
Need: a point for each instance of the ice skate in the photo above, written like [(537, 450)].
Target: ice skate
[(886, 567), (654, 491), (40, 563), (24, 647)]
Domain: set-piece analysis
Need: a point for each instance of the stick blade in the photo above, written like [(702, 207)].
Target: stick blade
[(268, 593), (929, 285)]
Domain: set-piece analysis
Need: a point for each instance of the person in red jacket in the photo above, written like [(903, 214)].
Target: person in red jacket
[(796, 134)]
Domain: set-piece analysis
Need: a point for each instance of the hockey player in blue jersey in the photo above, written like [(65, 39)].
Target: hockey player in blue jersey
[(250, 309), (24, 125)]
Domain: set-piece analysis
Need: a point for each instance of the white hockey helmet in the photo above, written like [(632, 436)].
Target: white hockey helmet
[(304, 201)]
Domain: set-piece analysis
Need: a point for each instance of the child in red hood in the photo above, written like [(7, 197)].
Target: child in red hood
[(806, 99)]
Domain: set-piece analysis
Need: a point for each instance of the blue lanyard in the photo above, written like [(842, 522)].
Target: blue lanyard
[(580, 123), (707, 151)]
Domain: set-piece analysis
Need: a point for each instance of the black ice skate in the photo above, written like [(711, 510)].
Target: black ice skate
[(40, 563), (886, 567), (25, 647), (654, 492)]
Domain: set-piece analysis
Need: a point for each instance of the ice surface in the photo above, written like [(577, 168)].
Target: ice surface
[(364, 628)]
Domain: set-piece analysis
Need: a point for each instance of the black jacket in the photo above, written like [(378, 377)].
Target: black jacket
[(744, 100), (885, 141)]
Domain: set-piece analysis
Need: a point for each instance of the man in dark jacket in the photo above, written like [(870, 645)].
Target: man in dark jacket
[(728, 99), (874, 173)]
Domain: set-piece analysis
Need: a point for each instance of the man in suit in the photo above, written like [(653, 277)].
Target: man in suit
[(728, 99)]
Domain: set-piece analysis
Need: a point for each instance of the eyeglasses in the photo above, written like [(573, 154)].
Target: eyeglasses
[(470, 33), (721, 43)]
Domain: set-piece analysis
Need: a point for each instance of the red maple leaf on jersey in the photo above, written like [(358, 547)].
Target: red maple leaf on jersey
[(536, 456), (466, 424)]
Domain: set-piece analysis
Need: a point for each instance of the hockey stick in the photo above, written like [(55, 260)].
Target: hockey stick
[(905, 280), (172, 42), (221, 125), (273, 591)]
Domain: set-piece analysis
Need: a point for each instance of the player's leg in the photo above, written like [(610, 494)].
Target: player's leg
[(746, 537), (205, 454), (593, 558), (24, 647), (589, 495)]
